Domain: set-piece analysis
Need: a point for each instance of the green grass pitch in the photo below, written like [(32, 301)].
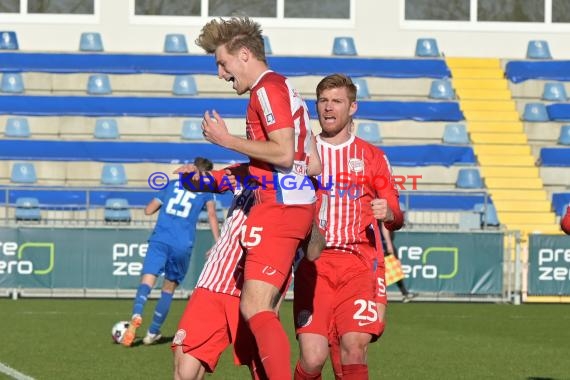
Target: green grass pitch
[(71, 339)]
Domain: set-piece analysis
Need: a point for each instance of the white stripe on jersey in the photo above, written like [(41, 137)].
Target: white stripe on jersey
[(344, 222), (266, 106), (219, 272)]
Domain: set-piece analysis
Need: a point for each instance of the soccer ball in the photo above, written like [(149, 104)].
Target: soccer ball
[(118, 331)]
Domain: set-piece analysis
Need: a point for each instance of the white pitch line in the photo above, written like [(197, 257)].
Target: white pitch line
[(13, 373)]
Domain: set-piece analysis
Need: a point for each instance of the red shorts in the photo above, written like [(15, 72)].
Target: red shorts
[(209, 324), (272, 234), (381, 296), (337, 289)]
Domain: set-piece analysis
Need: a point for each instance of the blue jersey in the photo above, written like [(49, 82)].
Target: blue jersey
[(178, 216)]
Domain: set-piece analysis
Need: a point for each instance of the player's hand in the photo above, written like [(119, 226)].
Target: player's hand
[(381, 211), (235, 174), (214, 129)]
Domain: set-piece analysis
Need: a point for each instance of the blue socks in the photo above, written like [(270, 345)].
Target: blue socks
[(140, 298), (160, 312)]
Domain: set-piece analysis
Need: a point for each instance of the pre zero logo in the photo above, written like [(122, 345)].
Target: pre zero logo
[(29, 258), (429, 263)]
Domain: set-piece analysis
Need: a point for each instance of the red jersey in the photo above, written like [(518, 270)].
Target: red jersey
[(565, 222), (354, 173), (275, 104)]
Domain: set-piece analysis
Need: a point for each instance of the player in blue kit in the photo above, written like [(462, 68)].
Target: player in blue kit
[(170, 248)]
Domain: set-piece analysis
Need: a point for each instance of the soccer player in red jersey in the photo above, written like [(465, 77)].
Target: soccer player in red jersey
[(339, 291), (211, 320), (279, 142), (565, 222)]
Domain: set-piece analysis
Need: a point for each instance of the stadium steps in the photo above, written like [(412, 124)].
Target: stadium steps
[(503, 160), (499, 138), (509, 172), (501, 145), (475, 105), (499, 116), (502, 127), (508, 205), (519, 195)]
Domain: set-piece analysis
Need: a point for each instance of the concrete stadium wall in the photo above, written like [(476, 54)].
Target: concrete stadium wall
[(378, 29)]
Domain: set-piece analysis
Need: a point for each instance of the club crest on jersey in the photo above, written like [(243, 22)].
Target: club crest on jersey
[(356, 165), (304, 318), (179, 337)]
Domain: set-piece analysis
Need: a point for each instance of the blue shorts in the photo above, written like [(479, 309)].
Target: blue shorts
[(163, 258)]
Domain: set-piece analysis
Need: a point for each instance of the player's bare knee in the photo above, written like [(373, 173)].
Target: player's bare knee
[(354, 353), (256, 297), (187, 367), (312, 362)]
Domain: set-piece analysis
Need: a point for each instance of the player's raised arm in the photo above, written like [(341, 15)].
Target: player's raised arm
[(213, 219), (277, 150)]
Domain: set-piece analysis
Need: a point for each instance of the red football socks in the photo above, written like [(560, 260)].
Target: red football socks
[(355, 372), (273, 345), (300, 374)]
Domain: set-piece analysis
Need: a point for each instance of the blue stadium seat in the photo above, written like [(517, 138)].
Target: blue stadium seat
[(192, 129), (12, 83), (99, 84), (369, 132), (17, 127), (488, 214), (564, 138), (106, 129), (175, 43), (23, 172), (538, 50), (554, 91), (469, 178), (8, 40), (267, 45), (427, 47), (535, 112), (113, 174), (455, 133), (361, 88), (184, 85), (441, 89), (90, 41), (27, 208), (344, 46), (117, 210)]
